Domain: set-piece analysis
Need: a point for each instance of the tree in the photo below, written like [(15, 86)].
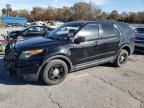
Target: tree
[(124, 17), (38, 13), (85, 11), (81, 11), (50, 13), (4, 11), (132, 18), (103, 16), (140, 17), (15, 13), (114, 15), (63, 14), (94, 11), (8, 9)]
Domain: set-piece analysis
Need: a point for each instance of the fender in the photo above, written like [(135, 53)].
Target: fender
[(125, 45), (55, 57)]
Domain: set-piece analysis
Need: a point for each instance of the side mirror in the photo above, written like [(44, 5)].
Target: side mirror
[(79, 40)]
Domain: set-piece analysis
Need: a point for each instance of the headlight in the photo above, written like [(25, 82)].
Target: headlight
[(27, 54)]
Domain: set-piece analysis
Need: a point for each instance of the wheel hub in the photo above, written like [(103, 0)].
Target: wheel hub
[(56, 72), (122, 58)]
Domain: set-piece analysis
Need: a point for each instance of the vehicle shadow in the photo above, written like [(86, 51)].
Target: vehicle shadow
[(12, 80)]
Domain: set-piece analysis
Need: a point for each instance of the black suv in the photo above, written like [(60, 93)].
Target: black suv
[(72, 46)]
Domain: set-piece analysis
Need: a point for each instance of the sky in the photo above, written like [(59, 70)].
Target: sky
[(105, 5)]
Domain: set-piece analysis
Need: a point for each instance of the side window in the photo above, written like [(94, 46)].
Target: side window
[(109, 30), (38, 29), (30, 29), (90, 32), (125, 27)]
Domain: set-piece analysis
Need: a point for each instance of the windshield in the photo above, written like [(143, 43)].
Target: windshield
[(61, 33), (25, 28), (140, 30)]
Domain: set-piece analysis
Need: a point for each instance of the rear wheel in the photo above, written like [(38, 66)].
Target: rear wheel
[(121, 58), (55, 72)]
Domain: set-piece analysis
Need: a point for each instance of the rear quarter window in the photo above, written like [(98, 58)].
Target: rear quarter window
[(109, 30), (125, 28)]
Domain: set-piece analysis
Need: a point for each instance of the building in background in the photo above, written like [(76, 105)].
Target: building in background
[(13, 21)]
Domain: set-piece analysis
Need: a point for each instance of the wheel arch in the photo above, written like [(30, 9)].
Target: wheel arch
[(60, 57), (127, 48)]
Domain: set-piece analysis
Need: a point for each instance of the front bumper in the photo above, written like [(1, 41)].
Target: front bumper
[(26, 69)]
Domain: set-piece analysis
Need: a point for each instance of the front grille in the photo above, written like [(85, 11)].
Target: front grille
[(10, 57), (9, 61)]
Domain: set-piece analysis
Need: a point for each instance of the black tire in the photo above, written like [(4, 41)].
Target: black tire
[(121, 58), (51, 67)]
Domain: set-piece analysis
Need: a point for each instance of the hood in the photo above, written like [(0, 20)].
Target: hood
[(36, 43), (13, 33)]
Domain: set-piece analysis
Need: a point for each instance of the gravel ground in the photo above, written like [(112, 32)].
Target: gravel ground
[(98, 87)]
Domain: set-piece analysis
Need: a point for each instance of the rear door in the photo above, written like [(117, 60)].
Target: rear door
[(110, 39)]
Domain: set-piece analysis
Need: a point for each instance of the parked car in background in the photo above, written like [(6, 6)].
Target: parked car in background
[(139, 38), (70, 47), (28, 32), (27, 24), (54, 24), (31, 31)]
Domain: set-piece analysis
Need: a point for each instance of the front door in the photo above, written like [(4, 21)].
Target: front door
[(89, 50)]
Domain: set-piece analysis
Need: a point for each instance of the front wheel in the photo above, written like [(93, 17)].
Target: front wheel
[(121, 58), (55, 72)]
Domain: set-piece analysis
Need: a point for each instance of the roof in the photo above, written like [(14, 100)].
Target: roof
[(97, 21)]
